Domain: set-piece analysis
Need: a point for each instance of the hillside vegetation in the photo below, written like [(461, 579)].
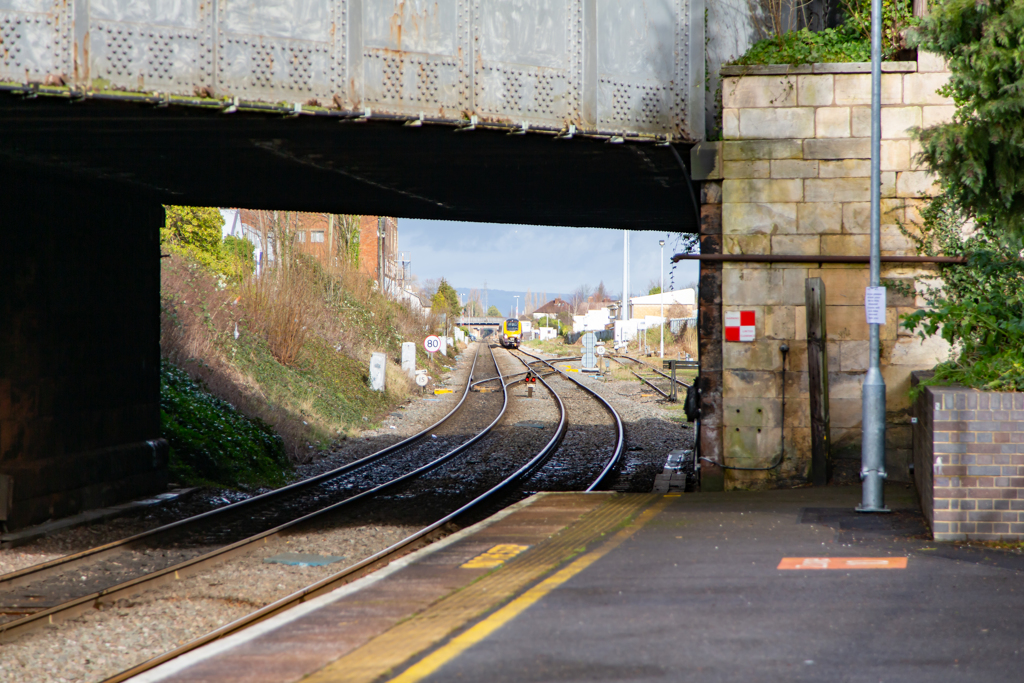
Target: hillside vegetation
[(279, 359)]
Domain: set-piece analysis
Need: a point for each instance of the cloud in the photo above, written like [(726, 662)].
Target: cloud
[(539, 258)]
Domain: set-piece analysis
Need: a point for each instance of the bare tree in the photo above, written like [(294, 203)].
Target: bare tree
[(474, 306), (772, 18), (579, 297), (346, 246), (429, 287)]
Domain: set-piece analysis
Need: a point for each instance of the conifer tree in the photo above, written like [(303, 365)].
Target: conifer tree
[(979, 155)]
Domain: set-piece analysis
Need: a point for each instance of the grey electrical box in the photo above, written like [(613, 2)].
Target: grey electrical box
[(589, 355)]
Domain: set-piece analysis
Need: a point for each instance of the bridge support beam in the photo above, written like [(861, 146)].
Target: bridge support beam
[(79, 346), (709, 335)]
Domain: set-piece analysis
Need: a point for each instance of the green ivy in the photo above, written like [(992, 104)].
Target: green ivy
[(841, 44), (211, 442)]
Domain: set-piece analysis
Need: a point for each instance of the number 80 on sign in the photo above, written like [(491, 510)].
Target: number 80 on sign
[(432, 343)]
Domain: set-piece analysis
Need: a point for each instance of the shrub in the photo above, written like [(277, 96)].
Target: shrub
[(195, 231), (848, 42), (211, 442), (239, 254), (979, 155), (980, 309), (807, 47)]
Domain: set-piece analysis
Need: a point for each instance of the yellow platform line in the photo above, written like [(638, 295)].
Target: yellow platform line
[(437, 659), (396, 646)]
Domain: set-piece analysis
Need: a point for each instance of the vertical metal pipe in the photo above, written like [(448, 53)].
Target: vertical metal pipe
[(661, 243), (872, 469), (624, 312)]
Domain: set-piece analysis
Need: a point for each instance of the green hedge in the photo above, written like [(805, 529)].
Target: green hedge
[(807, 47)]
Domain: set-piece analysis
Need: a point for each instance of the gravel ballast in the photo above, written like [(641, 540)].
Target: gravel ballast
[(108, 640)]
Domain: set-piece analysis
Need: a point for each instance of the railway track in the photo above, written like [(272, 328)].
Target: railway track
[(65, 587), (478, 507), (647, 380), (615, 427), (528, 466)]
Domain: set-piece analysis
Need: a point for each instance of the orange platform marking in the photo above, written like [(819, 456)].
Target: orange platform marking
[(497, 555), (843, 563)]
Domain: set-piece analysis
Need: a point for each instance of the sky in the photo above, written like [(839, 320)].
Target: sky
[(538, 258)]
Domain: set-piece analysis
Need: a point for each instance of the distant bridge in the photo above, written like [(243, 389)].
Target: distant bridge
[(469, 321)]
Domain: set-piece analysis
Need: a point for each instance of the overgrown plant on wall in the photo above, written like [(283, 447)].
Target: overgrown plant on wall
[(979, 159), (897, 18), (782, 42), (979, 308)]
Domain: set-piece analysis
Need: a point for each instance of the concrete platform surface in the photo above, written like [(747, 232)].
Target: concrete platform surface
[(693, 587)]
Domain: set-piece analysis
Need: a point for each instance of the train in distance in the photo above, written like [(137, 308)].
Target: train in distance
[(511, 334)]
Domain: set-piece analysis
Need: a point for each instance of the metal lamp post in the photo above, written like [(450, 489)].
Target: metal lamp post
[(517, 305), (661, 296), (872, 457)]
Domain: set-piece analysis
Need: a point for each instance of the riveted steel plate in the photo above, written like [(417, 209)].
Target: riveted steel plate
[(603, 66), (35, 39)]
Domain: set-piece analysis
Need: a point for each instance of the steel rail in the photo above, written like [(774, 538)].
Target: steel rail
[(155, 579), (645, 380), (36, 572), (371, 564), (663, 374), (639, 377), (621, 433), (516, 374)]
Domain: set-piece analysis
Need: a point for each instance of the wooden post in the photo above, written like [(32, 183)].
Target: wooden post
[(817, 371)]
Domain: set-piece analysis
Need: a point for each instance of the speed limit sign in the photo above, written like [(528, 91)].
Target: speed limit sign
[(432, 343)]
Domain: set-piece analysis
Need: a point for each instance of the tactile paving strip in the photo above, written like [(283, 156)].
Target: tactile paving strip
[(394, 647)]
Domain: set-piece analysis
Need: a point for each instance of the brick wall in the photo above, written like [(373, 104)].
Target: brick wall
[(795, 170), (969, 463)]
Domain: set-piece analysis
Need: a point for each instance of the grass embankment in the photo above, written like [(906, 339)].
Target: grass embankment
[(286, 354), (555, 347)]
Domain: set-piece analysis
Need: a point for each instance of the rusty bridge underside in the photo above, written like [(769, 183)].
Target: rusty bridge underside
[(191, 155)]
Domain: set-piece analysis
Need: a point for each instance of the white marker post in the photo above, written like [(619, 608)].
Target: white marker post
[(378, 364), (409, 358)]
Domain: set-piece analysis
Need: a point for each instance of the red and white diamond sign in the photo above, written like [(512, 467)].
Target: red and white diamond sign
[(739, 326)]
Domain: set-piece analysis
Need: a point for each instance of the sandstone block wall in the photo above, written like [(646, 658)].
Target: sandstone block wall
[(795, 170)]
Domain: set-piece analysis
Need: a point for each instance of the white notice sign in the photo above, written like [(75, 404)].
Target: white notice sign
[(874, 305)]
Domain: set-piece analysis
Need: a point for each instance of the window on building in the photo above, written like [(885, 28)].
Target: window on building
[(316, 236), (300, 236)]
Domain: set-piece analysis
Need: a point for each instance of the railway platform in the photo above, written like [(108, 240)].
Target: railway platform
[(757, 586)]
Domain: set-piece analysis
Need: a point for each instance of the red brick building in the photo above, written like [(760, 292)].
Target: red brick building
[(378, 249), (323, 235)]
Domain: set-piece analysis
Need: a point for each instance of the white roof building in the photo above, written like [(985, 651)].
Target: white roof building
[(682, 297)]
